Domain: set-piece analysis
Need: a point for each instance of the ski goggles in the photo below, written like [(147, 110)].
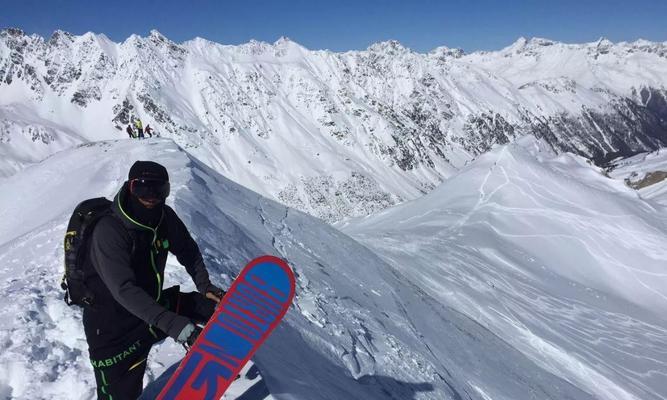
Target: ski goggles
[(149, 188)]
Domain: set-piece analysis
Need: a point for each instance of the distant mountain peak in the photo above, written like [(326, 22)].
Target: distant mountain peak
[(523, 44), (392, 47), (604, 40), (16, 32), (447, 52), (154, 33), (536, 41), (283, 40), (60, 37), (285, 46), (161, 40)]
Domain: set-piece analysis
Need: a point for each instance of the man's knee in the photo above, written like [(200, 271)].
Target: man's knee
[(123, 380)]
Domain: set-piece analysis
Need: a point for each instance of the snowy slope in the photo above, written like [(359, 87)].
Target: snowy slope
[(359, 329), (561, 262), (333, 134)]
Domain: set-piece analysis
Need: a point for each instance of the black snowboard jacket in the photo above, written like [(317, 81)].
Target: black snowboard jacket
[(127, 273)]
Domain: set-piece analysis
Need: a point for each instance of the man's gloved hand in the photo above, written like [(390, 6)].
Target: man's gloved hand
[(188, 335), (214, 293)]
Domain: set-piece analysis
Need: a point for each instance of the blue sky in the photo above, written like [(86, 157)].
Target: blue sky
[(346, 25)]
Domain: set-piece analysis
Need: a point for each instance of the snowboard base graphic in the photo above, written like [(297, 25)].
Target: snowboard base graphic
[(252, 308)]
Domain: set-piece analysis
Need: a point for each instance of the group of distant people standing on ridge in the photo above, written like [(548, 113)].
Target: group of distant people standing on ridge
[(139, 134)]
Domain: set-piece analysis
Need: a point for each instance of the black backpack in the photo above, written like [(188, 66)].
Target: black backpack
[(77, 238)]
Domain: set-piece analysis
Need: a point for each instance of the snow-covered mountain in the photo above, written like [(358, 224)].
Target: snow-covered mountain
[(360, 328), (560, 261), (332, 134)]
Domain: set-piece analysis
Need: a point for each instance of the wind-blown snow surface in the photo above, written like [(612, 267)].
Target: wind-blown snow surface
[(561, 262), (359, 329), (333, 134)]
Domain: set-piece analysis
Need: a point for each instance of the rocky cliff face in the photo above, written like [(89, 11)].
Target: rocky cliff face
[(334, 134)]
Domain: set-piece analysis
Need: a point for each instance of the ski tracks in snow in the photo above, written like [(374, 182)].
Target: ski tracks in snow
[(483, 197)]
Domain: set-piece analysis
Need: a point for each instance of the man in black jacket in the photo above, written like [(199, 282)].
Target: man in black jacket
[(131, 311)]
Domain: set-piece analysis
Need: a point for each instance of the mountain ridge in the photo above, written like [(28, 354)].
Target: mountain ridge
[(335, 134)]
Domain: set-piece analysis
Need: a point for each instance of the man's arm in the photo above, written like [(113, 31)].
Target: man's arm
[(184, 247), (111, 249)]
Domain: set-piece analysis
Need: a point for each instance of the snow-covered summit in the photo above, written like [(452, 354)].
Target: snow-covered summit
[(523, 44), (389, 48), (444, 52)]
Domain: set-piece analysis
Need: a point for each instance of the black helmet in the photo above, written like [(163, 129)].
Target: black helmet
[(148, 179)]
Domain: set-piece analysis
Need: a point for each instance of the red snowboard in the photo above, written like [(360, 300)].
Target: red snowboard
[(246, 316)]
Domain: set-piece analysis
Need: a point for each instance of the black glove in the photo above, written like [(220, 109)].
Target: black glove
[(215, 291)]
